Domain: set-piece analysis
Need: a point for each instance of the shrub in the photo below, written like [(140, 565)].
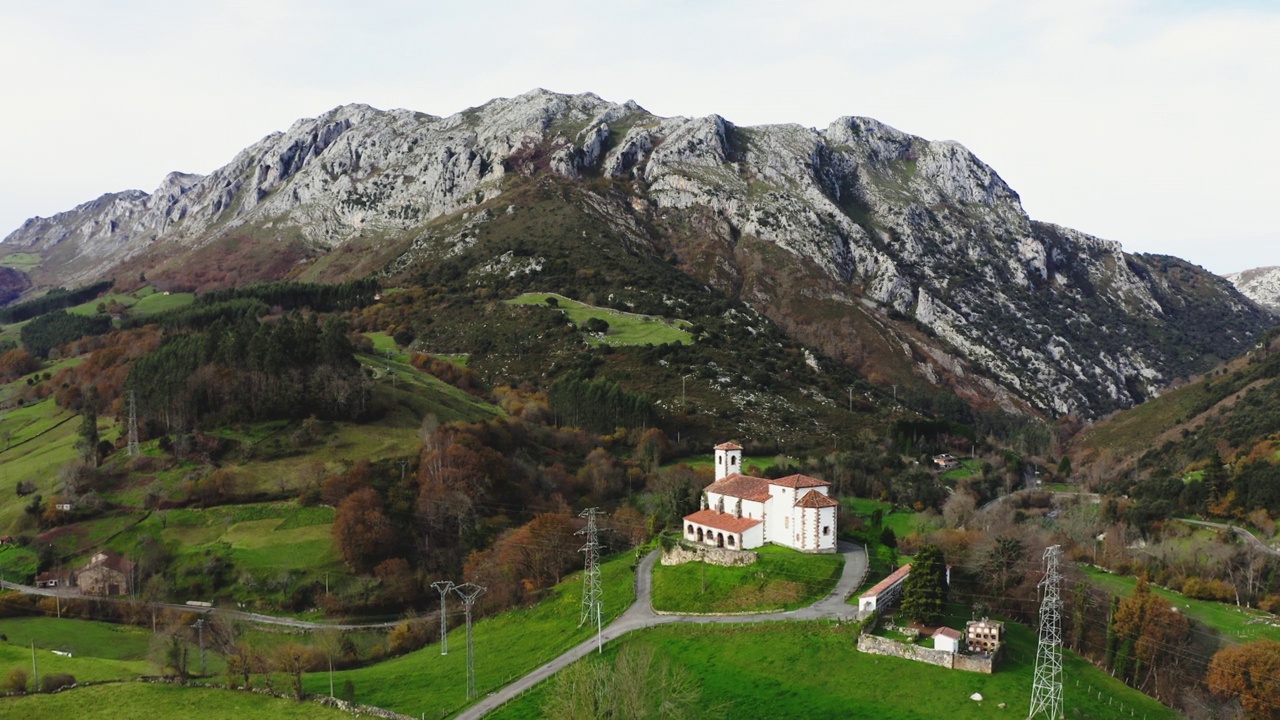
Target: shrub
[(57, 681), (16, 680)]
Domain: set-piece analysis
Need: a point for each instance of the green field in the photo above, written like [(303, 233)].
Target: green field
[(26, 262), (902, 522), (812, 670), (624, 328), (82, 638), (507, 646), (781, 579), (1239, 624), (148, 701), (84, 668), (146, 301), (751, 464), (42, 438)]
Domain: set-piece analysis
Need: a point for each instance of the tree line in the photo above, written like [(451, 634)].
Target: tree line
[(252, 370), (292, 295), (55, 299), (60, 327), (599, 405)]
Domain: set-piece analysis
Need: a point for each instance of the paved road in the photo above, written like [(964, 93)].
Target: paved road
[(641, 615), (1250, 537), (226, 612)]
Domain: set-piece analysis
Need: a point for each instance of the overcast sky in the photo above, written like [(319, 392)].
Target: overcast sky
[(1151, 122)]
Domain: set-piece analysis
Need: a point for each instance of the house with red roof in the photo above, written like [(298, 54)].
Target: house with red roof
[(742, 512), (883, 593)]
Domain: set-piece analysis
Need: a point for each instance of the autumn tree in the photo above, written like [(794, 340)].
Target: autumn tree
[(924, 592), (293, 659), (653, 446), (362, 530), (1148, 633), (1250, 672)]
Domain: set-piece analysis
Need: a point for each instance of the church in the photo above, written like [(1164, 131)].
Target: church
[(741, 512)]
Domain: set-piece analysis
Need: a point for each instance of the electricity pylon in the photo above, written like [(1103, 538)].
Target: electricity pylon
[(133, 425), (469, 592), (591, 577), (444, 586), (1046, 686)]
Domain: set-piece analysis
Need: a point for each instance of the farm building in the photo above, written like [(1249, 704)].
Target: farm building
[(946, 639), (884, 592), (741, 512), (984, 635), (107, 573)]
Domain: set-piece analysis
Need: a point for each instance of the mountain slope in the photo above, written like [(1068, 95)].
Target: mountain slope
[(1261, 285), (908, 259)]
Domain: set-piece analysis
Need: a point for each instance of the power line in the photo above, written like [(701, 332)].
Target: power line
[(1046, 686), (469, 592)]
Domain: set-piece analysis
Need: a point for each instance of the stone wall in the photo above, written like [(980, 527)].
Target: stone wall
[(876, 645), (683, 552)]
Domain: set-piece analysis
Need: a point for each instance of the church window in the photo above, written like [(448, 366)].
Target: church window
[(786, 523)]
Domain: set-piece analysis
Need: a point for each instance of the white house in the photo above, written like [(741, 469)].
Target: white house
[(946, 639), (884, 592), (742, 512)]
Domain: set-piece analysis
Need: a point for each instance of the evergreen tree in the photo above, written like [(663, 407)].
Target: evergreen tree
[(924, 592), (88, 442)]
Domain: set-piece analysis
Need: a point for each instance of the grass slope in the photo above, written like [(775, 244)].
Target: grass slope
[(813, 670), (1241, 624), (82, 638), (146, 701), (507, 646), (624, 328), (781, 579), (85, 669)]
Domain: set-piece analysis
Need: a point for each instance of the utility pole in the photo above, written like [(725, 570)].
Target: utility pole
[(443, 586), (1046, 686), (683, 404), (469, 592), (199, 626), (133, 424), (35, 671), (591, 577), (850, 398)]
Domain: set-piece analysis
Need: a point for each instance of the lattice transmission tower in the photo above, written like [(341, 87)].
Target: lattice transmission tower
[(443, 586), (1046, 686), (469, 592), (591, 577), (133, 425)]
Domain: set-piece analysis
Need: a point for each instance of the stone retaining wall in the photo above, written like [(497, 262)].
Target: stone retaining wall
[(876, 645), (683, 552)]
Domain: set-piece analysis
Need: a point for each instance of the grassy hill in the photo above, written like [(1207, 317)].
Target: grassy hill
[(148, 701), (813, 669), (507, 646), (781, 579)]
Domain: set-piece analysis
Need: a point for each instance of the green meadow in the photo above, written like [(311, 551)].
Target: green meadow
[(1236, 623), (781, 579), (149, 701), (813, 670), (625, 328)]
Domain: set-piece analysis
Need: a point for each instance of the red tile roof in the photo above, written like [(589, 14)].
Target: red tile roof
[(886, 583), (948, 632), (815, 499), (799, 481), (722, 521), (728, 446), (747, 487)]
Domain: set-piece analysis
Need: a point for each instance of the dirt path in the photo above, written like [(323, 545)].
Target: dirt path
[(641, 615)]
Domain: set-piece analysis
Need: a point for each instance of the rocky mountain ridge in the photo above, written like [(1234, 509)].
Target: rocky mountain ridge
[(909, 259), (1261, 285)]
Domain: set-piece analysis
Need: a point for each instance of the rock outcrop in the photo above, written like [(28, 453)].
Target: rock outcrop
[(1261, 285)]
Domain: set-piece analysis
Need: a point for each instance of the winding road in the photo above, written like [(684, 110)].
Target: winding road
[(1248, 536), (641, 615)]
